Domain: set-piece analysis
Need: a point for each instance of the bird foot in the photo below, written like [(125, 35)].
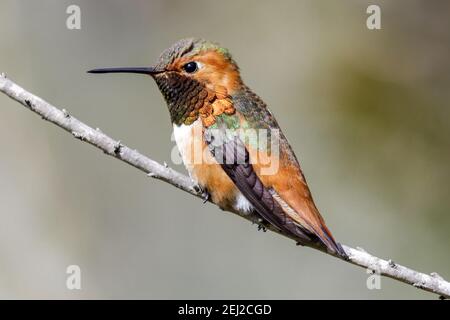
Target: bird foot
[(205, 196), (263, 226), (204, 193)]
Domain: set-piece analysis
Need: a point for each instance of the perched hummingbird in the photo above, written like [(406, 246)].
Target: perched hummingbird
[(210, 107)]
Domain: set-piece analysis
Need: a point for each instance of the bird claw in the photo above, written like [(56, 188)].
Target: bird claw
[(263, 226), (205, 196)]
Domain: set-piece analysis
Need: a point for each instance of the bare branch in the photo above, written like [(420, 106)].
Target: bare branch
[(432, 283)]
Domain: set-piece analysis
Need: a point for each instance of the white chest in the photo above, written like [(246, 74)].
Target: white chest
[(189, 142)]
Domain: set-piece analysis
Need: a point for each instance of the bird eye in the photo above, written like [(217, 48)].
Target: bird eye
[(190, 67)]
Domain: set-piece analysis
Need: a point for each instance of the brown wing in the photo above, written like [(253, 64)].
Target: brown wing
[(282, 199), (234, 159), (287, 185)]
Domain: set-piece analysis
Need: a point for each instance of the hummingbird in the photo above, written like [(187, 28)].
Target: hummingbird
[(210, 107)]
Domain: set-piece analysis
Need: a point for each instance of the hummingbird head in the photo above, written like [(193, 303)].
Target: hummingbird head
[(191, 75)]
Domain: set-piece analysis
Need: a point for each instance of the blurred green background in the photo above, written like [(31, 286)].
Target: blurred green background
[(367, 113)]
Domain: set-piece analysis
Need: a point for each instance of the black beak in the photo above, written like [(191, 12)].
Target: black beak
[(149, 71)]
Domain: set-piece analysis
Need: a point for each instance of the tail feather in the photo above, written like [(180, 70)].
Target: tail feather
[(328, 241), (311, 225)]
